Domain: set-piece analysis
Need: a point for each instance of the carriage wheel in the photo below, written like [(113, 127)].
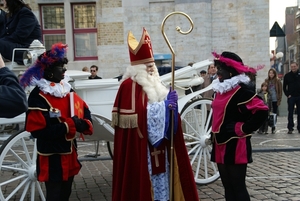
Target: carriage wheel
[(196, 131), (18, 169)]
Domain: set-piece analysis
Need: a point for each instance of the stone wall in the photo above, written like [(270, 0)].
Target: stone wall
[(241, 26)]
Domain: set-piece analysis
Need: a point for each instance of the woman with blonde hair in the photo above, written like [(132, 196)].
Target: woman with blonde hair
[(275, 89)]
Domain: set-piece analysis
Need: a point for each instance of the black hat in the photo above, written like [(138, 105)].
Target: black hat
[(233, 62)]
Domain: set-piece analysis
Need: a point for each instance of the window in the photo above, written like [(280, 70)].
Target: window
[(84, 31), (53, 25)]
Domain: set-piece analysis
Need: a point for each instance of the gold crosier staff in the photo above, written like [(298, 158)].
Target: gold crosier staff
[(172, 85)]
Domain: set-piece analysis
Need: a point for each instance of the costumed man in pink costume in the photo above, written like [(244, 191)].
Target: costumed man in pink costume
[(141, 118), (49, 120), (237, 112)]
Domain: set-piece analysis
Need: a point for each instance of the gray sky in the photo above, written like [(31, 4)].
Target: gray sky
[(277, 13)]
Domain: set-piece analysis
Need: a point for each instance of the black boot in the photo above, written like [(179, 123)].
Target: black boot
[(273, 130)]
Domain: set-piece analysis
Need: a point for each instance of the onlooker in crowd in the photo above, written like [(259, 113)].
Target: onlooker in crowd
[(275, 89), (202, 73), (266, 96), (13, 99), (191, 89), (140, 116), (21, 27), (291, 88), (208, 78), (237, 112), (49, 120), (85, 69), (94, 71)]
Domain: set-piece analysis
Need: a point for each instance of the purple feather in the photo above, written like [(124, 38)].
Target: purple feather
[(57, 53)]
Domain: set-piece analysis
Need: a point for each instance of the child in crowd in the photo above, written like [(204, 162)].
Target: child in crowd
[(266, 96)]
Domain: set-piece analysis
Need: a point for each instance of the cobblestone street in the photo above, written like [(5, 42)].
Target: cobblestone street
[(274, 174)]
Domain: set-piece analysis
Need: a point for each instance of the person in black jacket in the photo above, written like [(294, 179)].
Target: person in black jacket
[(94, 71), (21, 27), (291, 88), (13, 99)]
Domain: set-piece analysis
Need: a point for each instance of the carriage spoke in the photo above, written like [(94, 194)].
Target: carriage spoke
[(34, 152), (26, 187), (13, 169), (40, 191), (199, 162), (17, 188), (190, 136), (206, 158), (196, 125), (17, 162), (203, 117), (214, 167), (192, 143), (19, 158), (189, 126), (207, 125), (32, 190), (12, 180), (26, 151), (196, 154)]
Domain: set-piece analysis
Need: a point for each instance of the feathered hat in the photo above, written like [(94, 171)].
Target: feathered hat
[(140, 52), (236, 63), (57, 53)]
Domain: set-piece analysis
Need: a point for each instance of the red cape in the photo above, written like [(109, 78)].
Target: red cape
[(131, 179)]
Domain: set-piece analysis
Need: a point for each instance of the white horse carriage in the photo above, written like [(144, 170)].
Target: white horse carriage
[(18, 151)]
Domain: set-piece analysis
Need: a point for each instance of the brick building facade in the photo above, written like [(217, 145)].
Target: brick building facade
[(240, 26)]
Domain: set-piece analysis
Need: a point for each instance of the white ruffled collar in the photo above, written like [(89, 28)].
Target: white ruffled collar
[(59, 90), (229, 84)]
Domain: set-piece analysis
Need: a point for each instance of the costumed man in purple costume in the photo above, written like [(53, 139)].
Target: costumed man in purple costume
[(237, 112), (50, 121)]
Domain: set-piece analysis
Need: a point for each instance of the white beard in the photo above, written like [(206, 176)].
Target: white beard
[(151, 84)]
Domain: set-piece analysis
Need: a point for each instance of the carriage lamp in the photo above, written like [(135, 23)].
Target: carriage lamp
[(36, 48)]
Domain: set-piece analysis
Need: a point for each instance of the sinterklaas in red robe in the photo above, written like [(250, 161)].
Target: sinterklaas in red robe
[(131, 179)]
